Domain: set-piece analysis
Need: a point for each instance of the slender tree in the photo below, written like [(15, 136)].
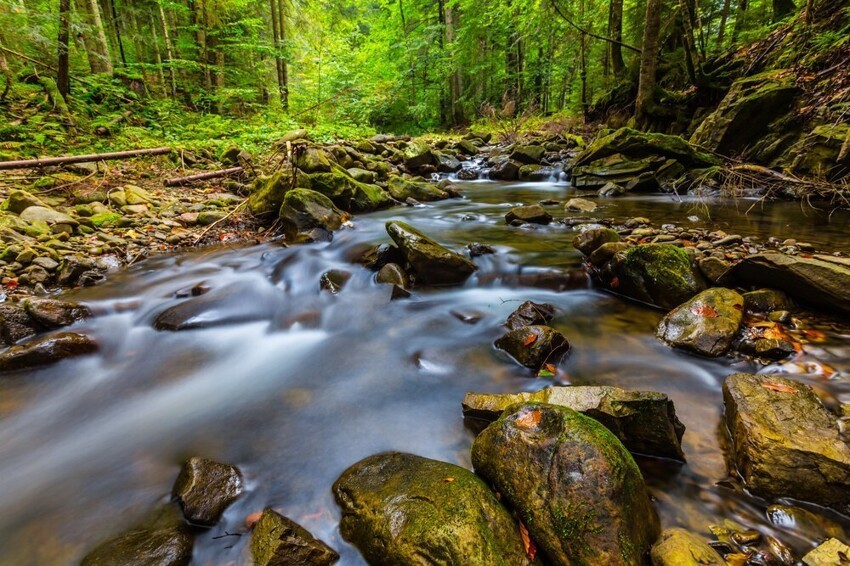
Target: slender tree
[(648, 64), (615, 32), (63, 79)]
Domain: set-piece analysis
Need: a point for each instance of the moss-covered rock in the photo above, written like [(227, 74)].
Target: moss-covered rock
[(707, 324), (53, 313), (659, 274), (418, 154), (678, 547), (267, 193), (767, 300), (818, 153), (279, 541), (402, 188), (573, 484), (348, 193), (404, 509), (309, 215), (314, 160), (589, 241), (505, 170), (432, 263), (46, 350), (638, 145), (204, 489), (744, 115), (528, 154), (785, 442), (644, 421), (19, 201), (534, 346)]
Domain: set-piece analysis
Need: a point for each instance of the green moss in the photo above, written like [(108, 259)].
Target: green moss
[(573, 523), (105, 219)]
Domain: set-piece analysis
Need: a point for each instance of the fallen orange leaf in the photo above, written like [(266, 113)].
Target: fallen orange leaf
[(615, 282), (529, 420), (253, 519), (448, 480), (705, 311), (530, 339), (550, 367), (779, 387), (530, 547), (815, 335)]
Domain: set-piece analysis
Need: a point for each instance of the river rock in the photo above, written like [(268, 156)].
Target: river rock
[(785, 443), (418, 154), (279, 541), (204, 489), (235, 303), (432, 263), (833, 552), (19, 201), (16, 324), (588, 241), (605, 252), (644, 421), (267, 192), (707, 324), (345, 191), (334, 280), (162, 539), (767, 300), (314, 160), (821, 281), (58, 221), (715, 270), (638, 145), (528, 154), (46, 350), (678, 547), (534, 346), (505, 170), (309, 215), (533, 214), (580, 205), (404, 509), (402, 189), (393, 274), (53, 313), (573, 484), (658, 274), (530, 314)]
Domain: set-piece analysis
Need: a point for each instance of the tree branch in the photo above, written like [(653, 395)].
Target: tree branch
[(584, 31)]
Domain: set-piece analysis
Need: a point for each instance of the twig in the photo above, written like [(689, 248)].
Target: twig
[(220, 220), (202, 176), (591, 34)]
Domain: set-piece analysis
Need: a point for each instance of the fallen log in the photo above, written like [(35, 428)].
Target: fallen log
[(47, 161), (202, 177)]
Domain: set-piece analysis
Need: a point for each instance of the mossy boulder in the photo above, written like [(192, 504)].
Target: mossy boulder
[(707, 324), (309, 215), (54, 313), (267, 193), (528, 154), (505, 170), (418, 154), (280, 541), (162, 538), (659, 274), (644, 421), (19, 201), (404, 509), (534, 346), (530, 214), (817, 154), (362, 175), (678, 547), (589, 241), (616, 168), (46, 350), (745, 114), (314, 160), (573, 484), (785, 443), (402, 188), (204, 489), (57, 221), (633, 144), (432, 263), (821, 280), (348, 193)]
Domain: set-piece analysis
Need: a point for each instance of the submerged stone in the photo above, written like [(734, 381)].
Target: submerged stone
[(204, 489), (785, 442), (432, 263), (235, 303), (533, 214), (644, 421), (53, 313), (581, 205), (573, 484), (280, 541), (404, 509), (46, 350), (707, 324), (660, 274), (534, 346), (530, 314)]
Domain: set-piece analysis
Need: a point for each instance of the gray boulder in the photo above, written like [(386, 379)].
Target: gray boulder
[(707, 324), (432, 263), (532, 214)]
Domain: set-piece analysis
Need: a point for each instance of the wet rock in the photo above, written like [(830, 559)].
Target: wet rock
[(659, 274), (204, 489), (19, 201), (715, 269), (419, 189), (52, 313), (588, 241), (447, 163), (377, 257), (638, 145), (393, 274), (530, 314), (73, 268), (785, 443), (314, 160), (804, 522), (830, 553), (644, 421), (16, 324), (162, 539), (534, 346), (678, 547), (467, 174), (534, 173), (767, 300), (334, 280), (476, 249), (769, 348), (573, 484), (345, 191), (235, 303), (46, 350), (612, 190), (821, 280), (605, 252), (532, 214), (57, 221), (581, 205), (279, 541), (505, 170), (707, 324), (405, 509), (432, 263), (743, 117), (308, 215), (528, 154), (418, 154)]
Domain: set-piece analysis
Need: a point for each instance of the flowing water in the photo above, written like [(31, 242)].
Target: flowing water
[(309, 382)]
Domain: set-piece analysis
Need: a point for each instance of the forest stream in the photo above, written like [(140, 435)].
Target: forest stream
[(293, 384)]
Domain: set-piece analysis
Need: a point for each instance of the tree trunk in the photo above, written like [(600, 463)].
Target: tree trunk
[(456, 79), (88, 39), (200, 16), (740, 16), (219, 80), (444, 94), (615, 31), (158, 54), (782, 9), (168, 49), (648, 64), (117, 26), (7, 73), (284, 71), (724, 17), (276, 49), (63, 79), (99, 33), (691, 55)]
